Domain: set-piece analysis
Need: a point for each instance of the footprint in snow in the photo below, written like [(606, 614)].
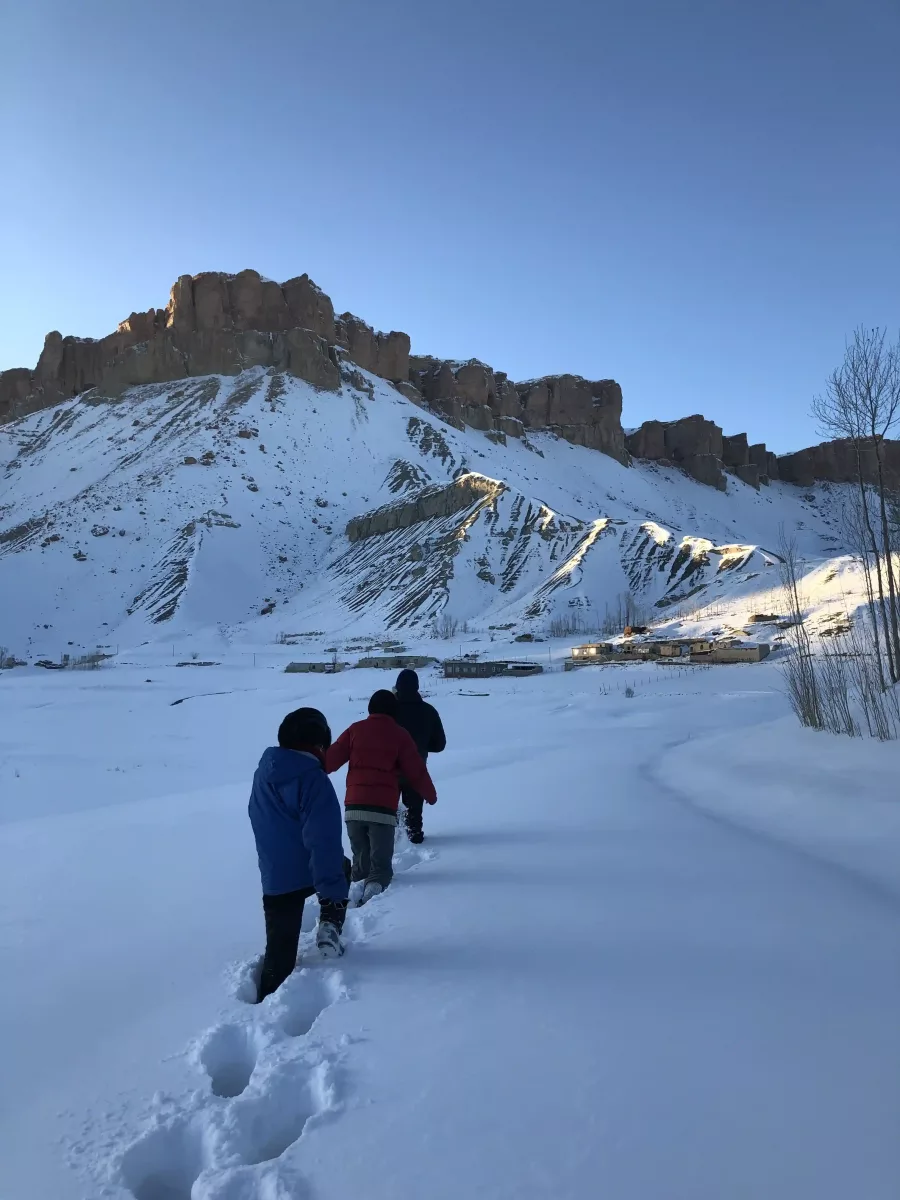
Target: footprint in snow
[(212, 1153), (165, 1162), (228, 1054), (268, 1121), (303, 997), (267, 1083)]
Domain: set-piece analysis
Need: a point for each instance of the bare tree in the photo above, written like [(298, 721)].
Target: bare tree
[(800, 668), (446, 626), (857, 531), (879, 705), (835, 693), (861, 404)]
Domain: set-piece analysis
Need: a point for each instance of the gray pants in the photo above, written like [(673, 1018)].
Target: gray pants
[(372, 843)]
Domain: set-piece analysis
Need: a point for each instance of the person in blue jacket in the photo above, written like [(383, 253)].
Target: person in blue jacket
[(298, 825)]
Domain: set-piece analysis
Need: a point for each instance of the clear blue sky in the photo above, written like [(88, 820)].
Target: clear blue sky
[(700, 198)]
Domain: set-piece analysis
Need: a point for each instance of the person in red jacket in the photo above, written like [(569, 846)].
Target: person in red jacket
[(379, 753)]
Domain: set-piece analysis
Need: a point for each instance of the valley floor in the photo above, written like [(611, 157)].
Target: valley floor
[(649, 949)]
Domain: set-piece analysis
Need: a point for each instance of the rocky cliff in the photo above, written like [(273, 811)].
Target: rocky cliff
[(836, 462), (586, 412), (701, 448), (219, 324), (214, 324)]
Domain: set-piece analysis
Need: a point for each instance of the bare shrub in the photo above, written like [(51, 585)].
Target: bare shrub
[(567, 625), (861, 404), (880, 705), (87, 662), (446, 627), (834, 678), (846, 679), (799, 670), (626, 611)]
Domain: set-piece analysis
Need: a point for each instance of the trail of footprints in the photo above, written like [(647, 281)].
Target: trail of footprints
[(266, 1078)]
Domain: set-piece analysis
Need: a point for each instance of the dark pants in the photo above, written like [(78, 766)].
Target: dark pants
[(284, 915), (413, 803), (372, 843)]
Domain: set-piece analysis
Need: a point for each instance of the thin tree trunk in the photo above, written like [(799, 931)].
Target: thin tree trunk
[(867, 520), (863, 549), (889, 558)]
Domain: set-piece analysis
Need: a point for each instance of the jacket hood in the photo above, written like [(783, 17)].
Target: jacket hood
[(407, 685), (278, 765)]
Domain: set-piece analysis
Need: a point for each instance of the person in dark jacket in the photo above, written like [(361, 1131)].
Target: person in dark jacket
[(378, 752), (296, 819), (422, 722)]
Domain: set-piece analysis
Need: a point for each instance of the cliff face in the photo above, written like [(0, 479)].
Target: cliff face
[(836, 462), (701, 448), (219, 324), (588, 413), (214, 324)]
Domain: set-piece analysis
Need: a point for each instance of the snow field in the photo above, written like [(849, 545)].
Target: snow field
[(585, 985)]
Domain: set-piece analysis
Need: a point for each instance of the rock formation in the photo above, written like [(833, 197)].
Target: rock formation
[(219, 324), (588, 413), (836, 462), (693, 443), (700, 448), (214, 324), (441, 500)]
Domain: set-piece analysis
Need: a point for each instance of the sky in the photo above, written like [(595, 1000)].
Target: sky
[(700, 199)]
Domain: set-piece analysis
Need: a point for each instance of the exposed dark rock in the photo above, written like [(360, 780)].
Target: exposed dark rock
[(749, 473), (705, 468), (586, 412), (836, 462), (649, 441), (735, 451), (438, 501)]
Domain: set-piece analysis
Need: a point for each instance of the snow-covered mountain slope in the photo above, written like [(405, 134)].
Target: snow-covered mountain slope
[(261, 505)]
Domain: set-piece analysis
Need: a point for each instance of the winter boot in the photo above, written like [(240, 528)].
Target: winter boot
[(328, 940), (417, 837), (371, 890)]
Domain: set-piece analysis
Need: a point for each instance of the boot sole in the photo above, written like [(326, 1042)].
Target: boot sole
[(329, 951)]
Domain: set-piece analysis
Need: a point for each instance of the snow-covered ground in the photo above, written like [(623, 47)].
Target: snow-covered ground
[(649, 949)]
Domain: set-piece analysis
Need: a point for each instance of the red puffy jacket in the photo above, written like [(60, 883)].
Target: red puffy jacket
[(378, 752)]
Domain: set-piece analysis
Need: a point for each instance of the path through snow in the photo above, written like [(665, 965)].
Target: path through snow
[(590, 988)]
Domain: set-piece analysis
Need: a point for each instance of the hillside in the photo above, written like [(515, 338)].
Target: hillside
[(258, 504)]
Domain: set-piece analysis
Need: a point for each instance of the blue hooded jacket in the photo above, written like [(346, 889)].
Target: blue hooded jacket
[(296, 819)]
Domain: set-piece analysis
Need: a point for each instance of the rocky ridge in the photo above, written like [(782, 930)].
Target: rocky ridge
[(220, 324)]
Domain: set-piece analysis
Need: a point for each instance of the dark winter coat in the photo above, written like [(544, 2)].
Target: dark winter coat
[(419, 719), (296, 819), (378, 752)]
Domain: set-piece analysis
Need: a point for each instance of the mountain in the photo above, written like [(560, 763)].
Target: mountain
[(257, 504)]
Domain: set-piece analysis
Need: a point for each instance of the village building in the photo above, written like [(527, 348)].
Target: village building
[(739, 653), (683, 650), (315, 668), (467, 668), (592, 651), (397, 662)]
